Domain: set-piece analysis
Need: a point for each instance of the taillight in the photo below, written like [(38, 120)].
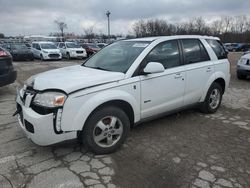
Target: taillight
[(3, 53)]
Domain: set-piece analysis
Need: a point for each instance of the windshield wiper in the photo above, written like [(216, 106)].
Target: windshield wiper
[(99, 68)]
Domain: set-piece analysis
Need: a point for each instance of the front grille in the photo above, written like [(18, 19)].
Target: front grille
[(79, 52), (54, 55)]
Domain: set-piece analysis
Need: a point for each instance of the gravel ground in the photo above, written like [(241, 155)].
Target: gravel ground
[(186, 149)]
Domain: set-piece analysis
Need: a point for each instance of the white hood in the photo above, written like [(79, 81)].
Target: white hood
[(76, 49), (51, 50), (73, 78)]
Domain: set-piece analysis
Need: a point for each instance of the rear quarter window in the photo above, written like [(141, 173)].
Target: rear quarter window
[(217, 48)]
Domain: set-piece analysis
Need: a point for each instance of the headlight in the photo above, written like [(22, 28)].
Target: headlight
[(45, 51), (242, 61), (50, 99)]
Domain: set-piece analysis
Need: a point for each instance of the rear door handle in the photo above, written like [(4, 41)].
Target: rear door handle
[(209, 69)]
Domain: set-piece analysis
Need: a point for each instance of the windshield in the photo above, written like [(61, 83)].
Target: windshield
[(72, 45), (117, 57), (48, 46), (19, 47)]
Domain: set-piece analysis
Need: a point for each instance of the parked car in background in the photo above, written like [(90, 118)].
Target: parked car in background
[(244, 48), (243, 67), (228, 47), (7, 73), (101, 45), (28, 45), (91, 48), (72, 50), (20, 51), (126, 83), (46, 51), (236, 47)]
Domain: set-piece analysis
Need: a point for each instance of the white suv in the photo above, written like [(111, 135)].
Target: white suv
[(45, 51), (126, 83), (72, 50)]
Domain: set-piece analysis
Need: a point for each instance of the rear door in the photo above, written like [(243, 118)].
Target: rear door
[(199, 69)]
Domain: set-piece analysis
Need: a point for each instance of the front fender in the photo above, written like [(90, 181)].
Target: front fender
[(73, 120)]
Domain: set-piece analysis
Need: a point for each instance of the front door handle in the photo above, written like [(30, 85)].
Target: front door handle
[(178, 76)]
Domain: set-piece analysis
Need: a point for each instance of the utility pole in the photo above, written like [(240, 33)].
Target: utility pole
[(108, 14)]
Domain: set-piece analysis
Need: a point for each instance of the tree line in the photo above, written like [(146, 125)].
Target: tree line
[(228, 28)]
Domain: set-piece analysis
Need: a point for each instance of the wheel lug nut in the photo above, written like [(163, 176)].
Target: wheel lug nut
[(109, 135), (112, 131)]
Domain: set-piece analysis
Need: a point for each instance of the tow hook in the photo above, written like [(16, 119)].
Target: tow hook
[(17, 111)]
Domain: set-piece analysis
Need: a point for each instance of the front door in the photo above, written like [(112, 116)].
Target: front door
[(162, 92)]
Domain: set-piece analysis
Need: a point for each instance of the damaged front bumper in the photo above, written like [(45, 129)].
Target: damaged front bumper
[(39, 125)]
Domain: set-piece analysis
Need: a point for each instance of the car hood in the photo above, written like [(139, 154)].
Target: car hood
[(52, 50), (73, 78), (247, 56), (76, 49)]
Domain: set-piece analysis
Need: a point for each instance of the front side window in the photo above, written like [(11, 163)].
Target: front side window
[(194, 51), (217, 48), (166, 53), (118, 56)]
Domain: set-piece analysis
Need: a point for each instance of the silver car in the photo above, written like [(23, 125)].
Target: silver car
[(243, 67)]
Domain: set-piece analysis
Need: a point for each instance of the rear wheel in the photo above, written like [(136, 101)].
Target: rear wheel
[(105, 130), (213, 99)]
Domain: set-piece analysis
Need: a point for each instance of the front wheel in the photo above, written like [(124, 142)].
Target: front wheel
[(213, 99), (106, 130), (68, 56)]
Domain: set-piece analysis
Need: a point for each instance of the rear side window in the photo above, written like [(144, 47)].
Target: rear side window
[(217, 48), (166, 53), (194, 51)]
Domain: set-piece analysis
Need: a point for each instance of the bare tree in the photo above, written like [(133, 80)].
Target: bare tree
[(89, 33), (229, 29), (61, 26)]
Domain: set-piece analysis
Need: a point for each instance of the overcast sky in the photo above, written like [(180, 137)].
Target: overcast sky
[(27, 17)]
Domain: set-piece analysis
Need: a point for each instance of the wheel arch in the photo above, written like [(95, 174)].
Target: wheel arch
[(88, 104), (122, 104), (219, 78)]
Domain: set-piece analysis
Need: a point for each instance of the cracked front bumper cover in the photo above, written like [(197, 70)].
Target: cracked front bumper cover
[(43, 127)]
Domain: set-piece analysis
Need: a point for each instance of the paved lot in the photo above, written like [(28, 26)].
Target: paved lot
[(187, 149)]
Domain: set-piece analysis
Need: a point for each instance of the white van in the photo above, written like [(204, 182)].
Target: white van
[(72, 50), (45, 51)]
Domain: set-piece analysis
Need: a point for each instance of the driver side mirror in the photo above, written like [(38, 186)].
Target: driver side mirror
[(153, 67)]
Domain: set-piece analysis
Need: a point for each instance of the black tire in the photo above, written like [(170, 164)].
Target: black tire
[(68, 56), (240, 76), (41, 57), (206, 106), (87, 134)]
